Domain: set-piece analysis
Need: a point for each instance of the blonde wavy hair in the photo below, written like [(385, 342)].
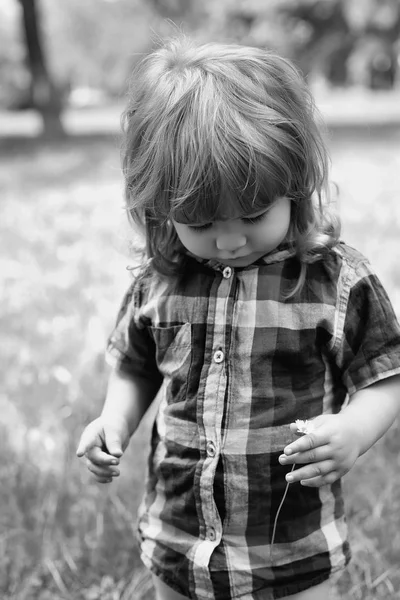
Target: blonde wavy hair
[(213, 118)]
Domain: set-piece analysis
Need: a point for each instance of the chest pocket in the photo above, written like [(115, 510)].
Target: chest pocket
[(174, 357)]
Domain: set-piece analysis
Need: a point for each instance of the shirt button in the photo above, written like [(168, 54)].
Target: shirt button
[(211, 450), (227, 272), (211, 534), (218, 356)]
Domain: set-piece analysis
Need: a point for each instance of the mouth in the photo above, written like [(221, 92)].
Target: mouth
[(238, 260), (242, 256), (234, 256)]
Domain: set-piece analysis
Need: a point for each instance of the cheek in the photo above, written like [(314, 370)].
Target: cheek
[(182, 234), (279, 232), (272, 234), (196, 243), (279, 224), (189, 240), (202, 245)]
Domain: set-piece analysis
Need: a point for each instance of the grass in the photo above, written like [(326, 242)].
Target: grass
[(63, 273)]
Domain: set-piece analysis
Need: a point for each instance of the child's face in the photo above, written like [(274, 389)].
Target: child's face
[(237, 240)]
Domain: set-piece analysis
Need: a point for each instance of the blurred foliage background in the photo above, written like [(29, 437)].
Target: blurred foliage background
[(63, 238), (53, 54)]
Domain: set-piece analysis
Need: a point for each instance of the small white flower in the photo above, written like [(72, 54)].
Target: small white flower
[(304, 426)]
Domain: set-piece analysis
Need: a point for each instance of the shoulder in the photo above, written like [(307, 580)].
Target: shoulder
[(343, 263), (159, 300), (143, 280), (350, 256), (355, 267), (330, 278)]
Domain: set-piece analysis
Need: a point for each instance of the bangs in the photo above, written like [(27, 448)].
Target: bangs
[(241, 186)]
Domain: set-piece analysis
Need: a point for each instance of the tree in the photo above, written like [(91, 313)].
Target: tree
[(44, 95), (345, 41)]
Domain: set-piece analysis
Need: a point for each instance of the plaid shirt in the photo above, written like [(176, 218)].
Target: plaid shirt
[(239, 363)]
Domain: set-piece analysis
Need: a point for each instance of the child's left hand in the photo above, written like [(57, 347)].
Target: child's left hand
[(328, 452)]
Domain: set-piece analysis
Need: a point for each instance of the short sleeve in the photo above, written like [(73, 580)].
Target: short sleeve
[(369, 348), (130, 347)]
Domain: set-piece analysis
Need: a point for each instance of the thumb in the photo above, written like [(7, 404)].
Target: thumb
[(86, 442), (113, 443)]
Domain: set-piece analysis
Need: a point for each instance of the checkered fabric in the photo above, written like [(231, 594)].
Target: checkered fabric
[(239, 363)]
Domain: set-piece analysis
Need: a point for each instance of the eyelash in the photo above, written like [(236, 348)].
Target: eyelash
[(201, 227), (249, 220), (255, 219)]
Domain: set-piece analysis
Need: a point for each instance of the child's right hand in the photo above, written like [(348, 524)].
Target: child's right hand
[(103, 444)]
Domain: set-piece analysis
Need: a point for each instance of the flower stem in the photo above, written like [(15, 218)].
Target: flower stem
[(279, 510)]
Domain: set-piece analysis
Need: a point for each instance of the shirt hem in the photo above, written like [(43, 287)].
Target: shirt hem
[(160, 573), (282, 592), (297, 587)]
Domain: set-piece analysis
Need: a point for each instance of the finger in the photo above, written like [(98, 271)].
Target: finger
[(105, 472), (306, 442), (100, 458), (320, 481), (103, 479), (320, 469), (310, 456)]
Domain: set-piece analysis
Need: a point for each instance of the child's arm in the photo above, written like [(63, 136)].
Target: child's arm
[(105, 439), (333, 447)]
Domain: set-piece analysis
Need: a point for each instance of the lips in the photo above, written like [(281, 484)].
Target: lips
[(241, 261), (234, 256)]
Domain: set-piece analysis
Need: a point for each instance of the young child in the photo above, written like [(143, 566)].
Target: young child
[(246, 314)]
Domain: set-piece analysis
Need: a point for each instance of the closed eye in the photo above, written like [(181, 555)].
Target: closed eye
[(201, 227), (249, 220), (255, 219)]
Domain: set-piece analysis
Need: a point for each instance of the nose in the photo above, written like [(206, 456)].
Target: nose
[(230, 241)]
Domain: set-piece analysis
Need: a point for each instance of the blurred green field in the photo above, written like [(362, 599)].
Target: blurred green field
[(62, 273)]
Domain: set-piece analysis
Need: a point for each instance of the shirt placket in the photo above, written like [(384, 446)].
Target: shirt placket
[(214, 393)]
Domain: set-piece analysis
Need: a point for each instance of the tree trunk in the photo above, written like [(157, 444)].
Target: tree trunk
[(45, 96)]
